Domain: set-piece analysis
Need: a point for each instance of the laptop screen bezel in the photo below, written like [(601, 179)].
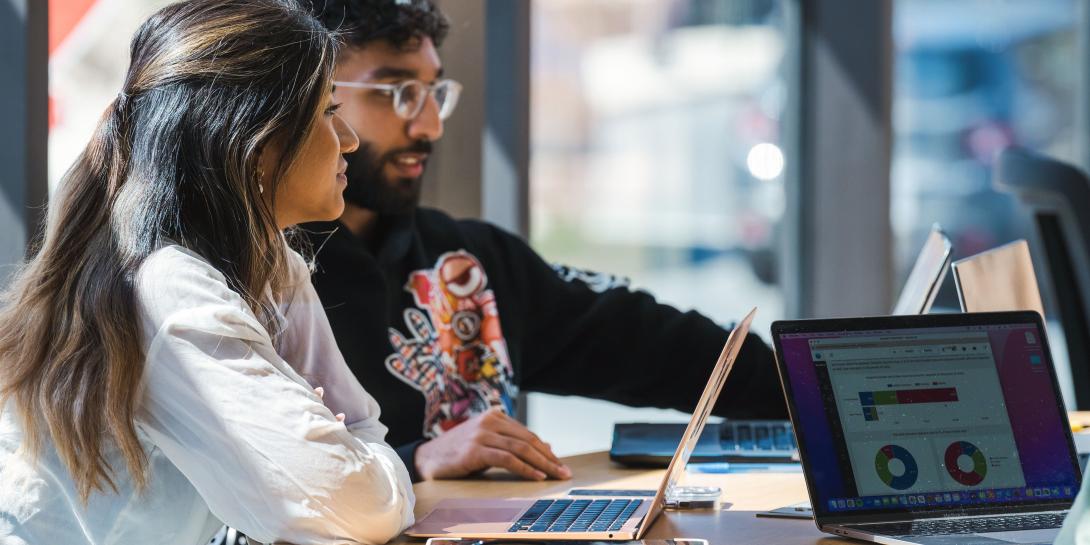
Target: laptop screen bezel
[(937, 243), (822, 514), (676, 468)]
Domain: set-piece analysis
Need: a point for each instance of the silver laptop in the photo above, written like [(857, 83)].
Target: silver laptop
[(926, 276), (610, 515), (999, 279), (932, 429)]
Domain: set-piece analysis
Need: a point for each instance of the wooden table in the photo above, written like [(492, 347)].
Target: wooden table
[(735, 523)]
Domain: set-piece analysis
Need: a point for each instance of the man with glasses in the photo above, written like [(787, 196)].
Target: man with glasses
[(446, 320)]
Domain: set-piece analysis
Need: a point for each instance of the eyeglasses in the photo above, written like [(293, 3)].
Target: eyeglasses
[(410, 95)]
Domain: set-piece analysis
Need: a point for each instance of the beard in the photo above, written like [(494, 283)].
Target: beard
[(370, 188)]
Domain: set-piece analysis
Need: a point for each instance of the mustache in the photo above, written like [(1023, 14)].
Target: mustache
[(419, 146)]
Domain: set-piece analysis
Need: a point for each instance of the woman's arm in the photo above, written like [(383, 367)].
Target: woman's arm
[(308, 345), (248, 432)]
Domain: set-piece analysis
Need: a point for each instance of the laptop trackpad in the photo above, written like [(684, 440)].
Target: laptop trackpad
[(1046, 535), (961, 540), (469, 516)]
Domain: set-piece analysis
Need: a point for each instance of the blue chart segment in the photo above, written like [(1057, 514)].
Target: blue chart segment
[(890, 453)]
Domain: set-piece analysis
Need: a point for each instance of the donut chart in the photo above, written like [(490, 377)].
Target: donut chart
[(890, 453), (958, 449)]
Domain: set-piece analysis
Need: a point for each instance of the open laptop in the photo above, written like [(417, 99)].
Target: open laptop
[(925, 279), (999, 279), (608, 516), (933, 429)]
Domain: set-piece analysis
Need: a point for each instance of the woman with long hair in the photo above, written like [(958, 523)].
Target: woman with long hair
[(159, 353)]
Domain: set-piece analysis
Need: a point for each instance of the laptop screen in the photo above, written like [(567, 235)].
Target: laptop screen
[(927, 413)]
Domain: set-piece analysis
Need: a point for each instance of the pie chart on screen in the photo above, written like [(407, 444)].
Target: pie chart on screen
[(896, 467), (965, 463)]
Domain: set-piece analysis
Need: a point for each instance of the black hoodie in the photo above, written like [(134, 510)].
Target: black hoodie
[(450, 317)]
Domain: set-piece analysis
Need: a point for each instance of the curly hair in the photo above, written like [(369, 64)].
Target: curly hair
[(401, 23)]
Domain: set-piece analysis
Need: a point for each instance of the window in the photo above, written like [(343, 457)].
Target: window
[(88, 56), (656, 155), (973, 77)]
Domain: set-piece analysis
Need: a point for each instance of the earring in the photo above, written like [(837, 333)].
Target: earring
[(260, 175)]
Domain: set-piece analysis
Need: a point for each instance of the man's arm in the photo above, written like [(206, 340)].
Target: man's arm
[(587, 336), (407, 453)]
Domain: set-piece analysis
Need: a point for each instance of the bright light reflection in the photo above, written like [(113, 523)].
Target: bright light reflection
[(765, 161)]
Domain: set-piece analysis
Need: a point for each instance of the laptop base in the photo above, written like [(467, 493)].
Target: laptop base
[(492, 519)]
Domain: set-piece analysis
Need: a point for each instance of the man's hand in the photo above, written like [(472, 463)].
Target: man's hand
[(491, 439)]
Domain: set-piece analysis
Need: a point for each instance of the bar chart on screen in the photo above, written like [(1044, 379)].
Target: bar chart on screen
[(920, 414)]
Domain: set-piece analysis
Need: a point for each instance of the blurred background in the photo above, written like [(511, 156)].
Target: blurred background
[(695, 146)]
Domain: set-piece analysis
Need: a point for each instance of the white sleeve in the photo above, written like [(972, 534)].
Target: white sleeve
[(246, 430), (308, 345), (1076, 528)]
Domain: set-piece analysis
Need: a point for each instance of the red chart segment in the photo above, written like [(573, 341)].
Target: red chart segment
[(973, 477), (871, 400), (903, 397)]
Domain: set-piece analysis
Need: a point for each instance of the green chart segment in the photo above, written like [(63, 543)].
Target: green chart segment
[(973, 477), (887, 454)]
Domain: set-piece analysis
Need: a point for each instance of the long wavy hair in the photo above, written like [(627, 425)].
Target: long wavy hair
[(175, 159)]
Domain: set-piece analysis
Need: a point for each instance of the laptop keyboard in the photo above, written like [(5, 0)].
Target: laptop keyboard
[(974, 525), (576, 515), (757, 435)]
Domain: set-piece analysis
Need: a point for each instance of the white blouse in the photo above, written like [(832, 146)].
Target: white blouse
[(233, 430), (1076, 528)]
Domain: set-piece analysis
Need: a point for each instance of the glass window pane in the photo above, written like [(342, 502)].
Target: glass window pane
[(88, 56), (656, 154)]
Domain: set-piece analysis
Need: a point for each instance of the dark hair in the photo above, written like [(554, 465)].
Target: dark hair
[(174, 160), (401, 23)]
